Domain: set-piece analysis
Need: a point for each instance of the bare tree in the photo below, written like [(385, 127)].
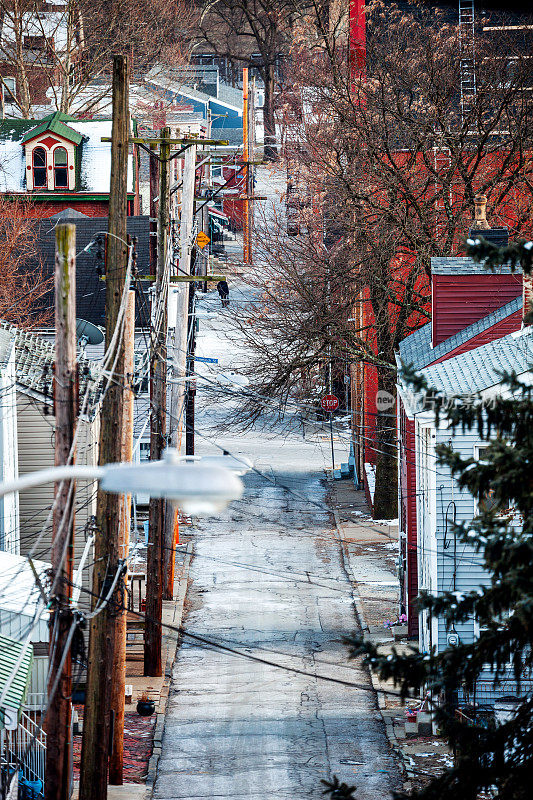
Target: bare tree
[(63, 56), (23, 283), (393, 163), (257, 32)]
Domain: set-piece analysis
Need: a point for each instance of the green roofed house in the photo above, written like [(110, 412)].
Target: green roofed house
[(59, 163), (23, 764), (15, 672)]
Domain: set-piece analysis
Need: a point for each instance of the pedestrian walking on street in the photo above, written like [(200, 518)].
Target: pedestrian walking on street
[(223, 290)]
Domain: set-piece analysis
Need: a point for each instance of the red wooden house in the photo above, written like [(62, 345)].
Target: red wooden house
[(470, 307)]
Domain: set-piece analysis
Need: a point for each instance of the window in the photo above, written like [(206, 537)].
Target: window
[(144, 451), (489, 503), (9, 89), (34, 42), (60, 168), (39, 167)]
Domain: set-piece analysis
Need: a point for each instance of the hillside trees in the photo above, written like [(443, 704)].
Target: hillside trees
[(253, 32)]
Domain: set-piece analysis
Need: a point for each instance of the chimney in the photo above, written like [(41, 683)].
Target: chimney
[(480, 213), (480, 226)]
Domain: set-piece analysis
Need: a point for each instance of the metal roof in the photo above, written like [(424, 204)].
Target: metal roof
[(462, 265), (34, 359), (10, 652), (481, 368), (55, 123), (416, 349)]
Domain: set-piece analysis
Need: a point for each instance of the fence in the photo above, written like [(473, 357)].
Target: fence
[(24, 750), (485, 693)]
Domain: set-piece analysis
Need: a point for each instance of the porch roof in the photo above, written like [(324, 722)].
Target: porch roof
[(17, 685)]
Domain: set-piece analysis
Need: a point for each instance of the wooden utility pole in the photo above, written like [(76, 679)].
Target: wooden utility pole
[(154, 193), (58, 723), (181, 326), (158, 432), (118, 680), (246, 159), (97, 727), (190, 387), (179, 355)]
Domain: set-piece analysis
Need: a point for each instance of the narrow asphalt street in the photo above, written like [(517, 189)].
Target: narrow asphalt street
[(268, 580)]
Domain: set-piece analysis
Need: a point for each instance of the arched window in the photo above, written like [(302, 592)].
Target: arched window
[(60, 168), (39, 167)]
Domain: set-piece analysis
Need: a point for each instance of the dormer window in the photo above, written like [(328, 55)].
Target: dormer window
[(60, 168), (39, 168), (50, 148)]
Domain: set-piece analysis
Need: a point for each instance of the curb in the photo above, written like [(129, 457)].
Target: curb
[(173, 637), (361, 618)]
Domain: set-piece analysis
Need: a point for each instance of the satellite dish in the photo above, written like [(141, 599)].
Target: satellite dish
[(87, 333)]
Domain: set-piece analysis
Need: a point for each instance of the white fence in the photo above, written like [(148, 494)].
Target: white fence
[(24, 750)]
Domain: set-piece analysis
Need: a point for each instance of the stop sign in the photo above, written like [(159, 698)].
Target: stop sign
[(329, 402)]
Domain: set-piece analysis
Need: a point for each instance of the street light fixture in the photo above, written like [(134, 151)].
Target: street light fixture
[(196, 488), (240, 465)]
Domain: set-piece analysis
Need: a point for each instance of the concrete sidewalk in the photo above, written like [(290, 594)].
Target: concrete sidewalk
[(371, 557), (157, 689)]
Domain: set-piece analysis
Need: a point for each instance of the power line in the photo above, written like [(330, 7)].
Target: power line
[(222, 646)]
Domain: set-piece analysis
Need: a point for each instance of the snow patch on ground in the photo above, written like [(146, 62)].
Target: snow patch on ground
[(370, 472)]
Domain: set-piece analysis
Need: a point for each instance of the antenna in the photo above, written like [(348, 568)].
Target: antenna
[(87, 333)]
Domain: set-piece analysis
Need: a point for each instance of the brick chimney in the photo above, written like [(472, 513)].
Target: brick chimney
[(481, 227), (480, 214)]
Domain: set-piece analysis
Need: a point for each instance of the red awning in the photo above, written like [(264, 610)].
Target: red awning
[(215, 213)]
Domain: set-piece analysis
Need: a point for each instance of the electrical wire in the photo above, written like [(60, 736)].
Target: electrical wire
[(221, 645)]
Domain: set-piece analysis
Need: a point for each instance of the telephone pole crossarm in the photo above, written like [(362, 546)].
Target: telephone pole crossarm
[(144, 144)]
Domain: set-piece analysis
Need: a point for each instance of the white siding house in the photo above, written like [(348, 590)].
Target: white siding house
[(444, 563), (23, 614), (34, 358), (9, 507)]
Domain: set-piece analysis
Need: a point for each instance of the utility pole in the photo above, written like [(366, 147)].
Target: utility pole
[(158, 432), (97, 726), (118, 681), (246, 159), (179, 356), (154, 193), (58, 723), (190, 386)]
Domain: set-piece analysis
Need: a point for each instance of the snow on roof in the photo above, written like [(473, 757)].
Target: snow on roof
[(476, 371), (95, 169), (11, 166), (416, 349), (481, 368), (464, 265), (52, 25), (96, 156), (19, 593), (34, 359)]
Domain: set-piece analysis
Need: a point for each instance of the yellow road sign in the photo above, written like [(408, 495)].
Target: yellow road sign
[(202, 239)]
